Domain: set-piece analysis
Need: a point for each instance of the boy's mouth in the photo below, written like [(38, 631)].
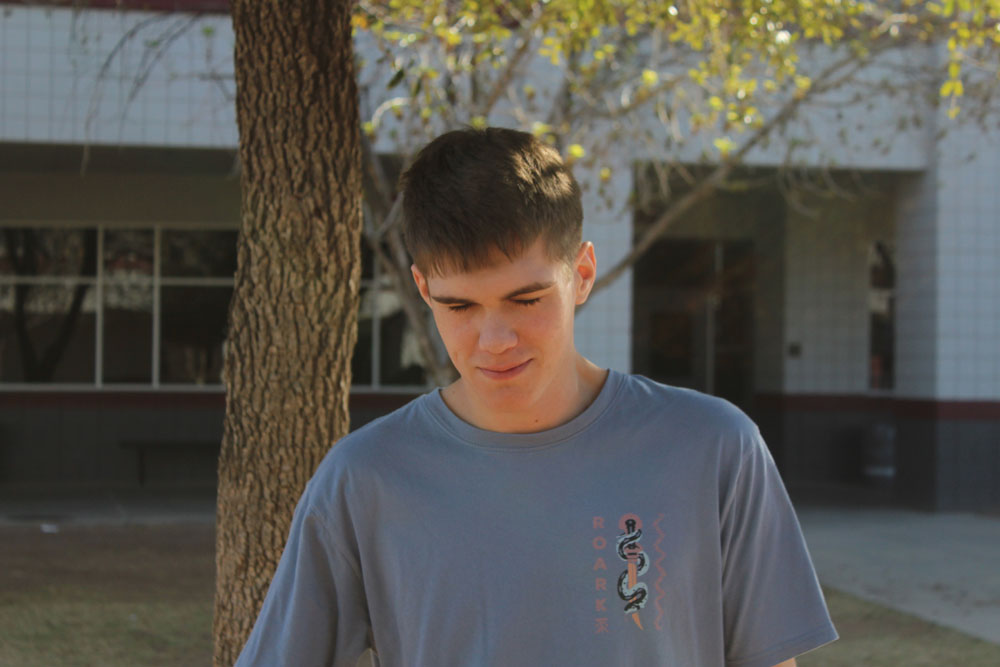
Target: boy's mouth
[(504, 372)]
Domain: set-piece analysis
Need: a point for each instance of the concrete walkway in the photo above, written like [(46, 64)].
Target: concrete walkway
[(944, 568), (941, 567)]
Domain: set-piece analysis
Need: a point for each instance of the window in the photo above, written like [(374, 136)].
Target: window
[(881, 300), (387, 355), (115, 306), (153, 311)]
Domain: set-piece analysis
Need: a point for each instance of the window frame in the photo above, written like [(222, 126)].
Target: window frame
[(157, 281)]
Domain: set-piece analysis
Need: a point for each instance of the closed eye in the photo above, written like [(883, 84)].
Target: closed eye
[(461, 307)]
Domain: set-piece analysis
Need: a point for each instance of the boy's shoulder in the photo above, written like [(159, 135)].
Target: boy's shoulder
[(679, 405), (350, 470), (380, 436)]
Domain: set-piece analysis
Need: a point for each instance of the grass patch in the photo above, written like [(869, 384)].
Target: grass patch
[(44, 630), (876, 636), (114, 596), (142, 596)]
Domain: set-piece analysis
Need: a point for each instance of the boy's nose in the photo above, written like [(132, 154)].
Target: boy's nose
[(496, 335)]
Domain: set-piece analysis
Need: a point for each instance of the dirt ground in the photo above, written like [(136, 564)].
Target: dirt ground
[(142, 595)]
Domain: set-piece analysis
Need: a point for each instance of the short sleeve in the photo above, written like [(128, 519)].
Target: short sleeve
[(315, 611), (772, 603)]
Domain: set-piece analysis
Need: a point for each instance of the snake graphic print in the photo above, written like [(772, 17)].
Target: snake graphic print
[(632, 592)]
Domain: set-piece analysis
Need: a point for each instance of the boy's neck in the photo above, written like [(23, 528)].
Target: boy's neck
[(560, 403)]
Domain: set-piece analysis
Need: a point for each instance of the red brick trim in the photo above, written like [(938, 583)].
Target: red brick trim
[(103, 399), (166, 399), (193, 6), (901, 407)]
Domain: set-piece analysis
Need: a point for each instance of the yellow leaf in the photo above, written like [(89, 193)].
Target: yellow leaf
[(649, 77), (576, 151), (724, 145), (478, 122), (946, 88), (538, 128), (953, 111), (605, 175)]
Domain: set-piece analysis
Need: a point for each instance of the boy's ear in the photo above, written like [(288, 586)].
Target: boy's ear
[(421, 282), (584, 271)]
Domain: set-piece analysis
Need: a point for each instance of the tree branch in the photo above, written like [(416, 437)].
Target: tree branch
[(713, 181)]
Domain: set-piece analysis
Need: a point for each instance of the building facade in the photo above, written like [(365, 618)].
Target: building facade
[(859, 330)]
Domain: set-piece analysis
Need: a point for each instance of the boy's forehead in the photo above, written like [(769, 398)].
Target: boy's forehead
[(503, 274), (449, 266)]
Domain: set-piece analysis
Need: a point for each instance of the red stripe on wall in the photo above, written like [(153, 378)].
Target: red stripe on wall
[(191, 6), (902, 407), (166, 399)]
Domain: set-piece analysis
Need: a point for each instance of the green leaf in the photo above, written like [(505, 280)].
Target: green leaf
[(396, 78)]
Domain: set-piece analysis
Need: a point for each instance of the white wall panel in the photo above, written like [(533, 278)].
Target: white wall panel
[(114, 77)]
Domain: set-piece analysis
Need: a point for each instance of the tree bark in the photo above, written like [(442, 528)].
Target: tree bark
[(293, 317)]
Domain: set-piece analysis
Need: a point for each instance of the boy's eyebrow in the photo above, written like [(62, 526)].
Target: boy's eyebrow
[(527, 289)]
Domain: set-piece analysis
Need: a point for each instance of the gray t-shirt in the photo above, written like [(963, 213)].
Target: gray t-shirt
[(651, 529)]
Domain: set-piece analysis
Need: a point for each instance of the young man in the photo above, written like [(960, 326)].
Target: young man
[(541, 510)]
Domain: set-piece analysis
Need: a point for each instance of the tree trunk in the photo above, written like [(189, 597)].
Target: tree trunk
[(293, 317)]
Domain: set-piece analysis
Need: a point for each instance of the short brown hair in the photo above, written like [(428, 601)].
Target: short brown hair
[(472, 192)]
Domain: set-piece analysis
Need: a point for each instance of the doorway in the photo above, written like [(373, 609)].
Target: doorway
[(693, 316)]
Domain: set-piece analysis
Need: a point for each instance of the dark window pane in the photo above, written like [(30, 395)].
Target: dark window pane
[(679, 263), (198, 253), (128, 252), (361, 362), (882, 309), (128, 333), (379, 196), (367, 261), (399, 354), (47, 333), (193, 328), (37, 251), (671, 345)]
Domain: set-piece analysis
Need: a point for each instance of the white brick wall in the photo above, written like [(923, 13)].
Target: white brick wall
[(968, 265), (826, 292), (604, 326), (916, 292), (54, 87), (64, 80)]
